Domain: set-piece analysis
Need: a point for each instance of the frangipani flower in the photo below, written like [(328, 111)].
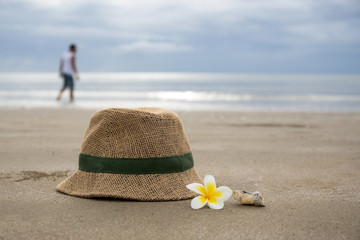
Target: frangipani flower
[(211, 195)]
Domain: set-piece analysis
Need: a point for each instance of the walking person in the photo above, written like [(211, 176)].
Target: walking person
[(68, 71)]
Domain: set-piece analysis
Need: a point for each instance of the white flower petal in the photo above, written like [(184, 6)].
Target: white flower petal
[(196, 187), (226, 192), (209, 179), (198, 202), (216, 204)]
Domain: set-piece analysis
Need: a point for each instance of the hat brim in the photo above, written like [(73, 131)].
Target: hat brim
[(141, 187)]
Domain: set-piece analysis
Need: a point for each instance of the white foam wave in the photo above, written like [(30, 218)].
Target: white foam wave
[(184, 96), (118, 77)]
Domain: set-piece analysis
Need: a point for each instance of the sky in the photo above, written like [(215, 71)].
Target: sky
[(237, 36)]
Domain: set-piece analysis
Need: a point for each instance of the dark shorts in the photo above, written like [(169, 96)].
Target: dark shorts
[(68, 81)]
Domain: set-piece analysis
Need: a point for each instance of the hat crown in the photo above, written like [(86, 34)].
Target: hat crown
[(135, 133)]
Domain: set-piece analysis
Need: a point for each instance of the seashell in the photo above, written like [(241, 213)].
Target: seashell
[(246, 198)]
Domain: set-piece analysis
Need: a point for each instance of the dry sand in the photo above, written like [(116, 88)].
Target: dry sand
[(305, 164)]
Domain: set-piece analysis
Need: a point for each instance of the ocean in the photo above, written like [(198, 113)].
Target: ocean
[(186, 91)]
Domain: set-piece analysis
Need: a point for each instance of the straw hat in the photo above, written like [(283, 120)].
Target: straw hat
[(139, 154)]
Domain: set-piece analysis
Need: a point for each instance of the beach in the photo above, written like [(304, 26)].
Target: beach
[(306, 165)]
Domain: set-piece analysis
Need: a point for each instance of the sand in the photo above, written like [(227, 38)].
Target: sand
[(305, 164)]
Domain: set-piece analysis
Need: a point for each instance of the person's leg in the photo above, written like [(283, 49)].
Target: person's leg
[(71, 95), (71, 87), (61, 90)]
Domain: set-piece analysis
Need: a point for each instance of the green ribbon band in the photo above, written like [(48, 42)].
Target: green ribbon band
[(171, 164)]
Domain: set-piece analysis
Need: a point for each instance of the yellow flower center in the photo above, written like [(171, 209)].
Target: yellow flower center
[(209, 192)]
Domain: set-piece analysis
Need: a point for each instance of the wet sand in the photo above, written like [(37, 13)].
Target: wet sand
[(305, 164)]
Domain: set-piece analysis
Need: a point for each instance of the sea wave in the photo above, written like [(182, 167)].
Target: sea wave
[(187, 96), (189, 91), (116, 77)]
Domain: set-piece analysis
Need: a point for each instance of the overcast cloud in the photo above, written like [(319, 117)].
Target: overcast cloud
[(252, 36)]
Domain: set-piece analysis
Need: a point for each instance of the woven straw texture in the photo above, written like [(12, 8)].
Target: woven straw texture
[(142, 187), (133, 133)]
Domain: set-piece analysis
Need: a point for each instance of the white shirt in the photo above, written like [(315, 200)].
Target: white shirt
[(67, 67)]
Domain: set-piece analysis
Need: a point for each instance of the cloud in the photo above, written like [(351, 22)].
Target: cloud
[(21, 63), (153, 47), (332, 31), (200, 31), (140, 20)]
